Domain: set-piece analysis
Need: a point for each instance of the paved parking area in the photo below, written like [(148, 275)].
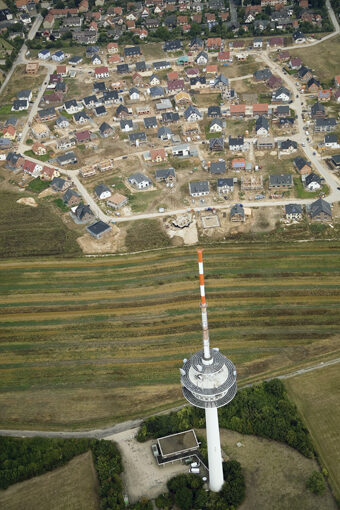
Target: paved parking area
[(142, 476)]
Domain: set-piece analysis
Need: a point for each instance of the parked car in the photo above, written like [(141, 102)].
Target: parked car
[(154, 449)]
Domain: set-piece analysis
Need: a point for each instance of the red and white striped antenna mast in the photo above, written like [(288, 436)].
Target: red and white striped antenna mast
[(206, 341)]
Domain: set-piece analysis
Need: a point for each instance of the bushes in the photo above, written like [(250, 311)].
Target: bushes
[(263, 410), (316, 483)]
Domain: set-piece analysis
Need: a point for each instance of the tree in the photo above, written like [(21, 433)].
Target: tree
[(316, 483), (164, 501), (183, 498)]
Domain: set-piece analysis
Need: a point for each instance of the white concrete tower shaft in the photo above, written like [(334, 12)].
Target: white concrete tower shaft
[(216, 479)]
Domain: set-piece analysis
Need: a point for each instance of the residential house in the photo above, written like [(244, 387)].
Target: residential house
[(236, 143), (192, 114), (39, 149), (9, 132), (216, 144), (287, 146), (257, 43), (293, 212), (260, 109), (164, 133), (320, 211), (303, 167), (158, 155), (156, 92), (117, 201), (262, 74), (58, 56), (123, 69), (32, 168), (167, 175), (280, 181), (331, 141), (324, 94), (122, 112), (299, 37), (98, 229), (82, 214), (327, 124), (217, 167), (44, 54), (238, 164), (262, 126), (282, 95), (216, 126), (251, 182), (126, 125), (162, 64), (282, 110), (150, 122), (67, 159), (295, 63), (313, 182), (137, 138), (101, 72), (182, 98), (237, 110), (81, 118), (313, 86), (132, 52), (175, 86), (318, 110), (181, 150), (214, 43), (274, 82), (48, 173), (65, 143), (202, 58), (134, 94), (71, 198), (304, 74), (225, 186), (139, 181), (105, 130), (19, 105), (83, 136), (170, 117), (265, 143), (59, 184), (174, 45), (72, 106), (237, 213), (199, 188), (102, 191), (214, 111), (32, 68)]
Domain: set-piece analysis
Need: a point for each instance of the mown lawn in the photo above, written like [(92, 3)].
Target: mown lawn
[(92, 341)]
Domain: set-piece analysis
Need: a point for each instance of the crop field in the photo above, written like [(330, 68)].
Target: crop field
[(95, 341), (73, 487), (316, 395)]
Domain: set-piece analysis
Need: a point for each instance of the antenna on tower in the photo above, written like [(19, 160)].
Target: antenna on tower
[(206, 343)]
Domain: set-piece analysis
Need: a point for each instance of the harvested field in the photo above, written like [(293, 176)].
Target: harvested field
[(317, 398), (71, 487), (98, 338), (275, 474), (314, 57)]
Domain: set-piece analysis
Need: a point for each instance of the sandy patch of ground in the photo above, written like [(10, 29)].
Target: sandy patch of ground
[(142, 477), (188, 234), (46, 193), (27, 201), (109, 243)]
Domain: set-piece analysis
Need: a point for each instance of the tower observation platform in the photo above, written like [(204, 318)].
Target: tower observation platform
[(208, 381)]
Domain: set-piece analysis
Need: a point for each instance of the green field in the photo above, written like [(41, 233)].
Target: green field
[(73, 486), (92, 341), (316, 395)]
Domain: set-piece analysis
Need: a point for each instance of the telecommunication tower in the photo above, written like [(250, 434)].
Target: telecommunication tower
[(208, 381)]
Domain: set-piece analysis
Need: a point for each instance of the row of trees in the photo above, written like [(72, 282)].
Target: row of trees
[(263, 410)]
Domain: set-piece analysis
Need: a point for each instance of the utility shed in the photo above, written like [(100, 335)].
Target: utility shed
[(175, 444)]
